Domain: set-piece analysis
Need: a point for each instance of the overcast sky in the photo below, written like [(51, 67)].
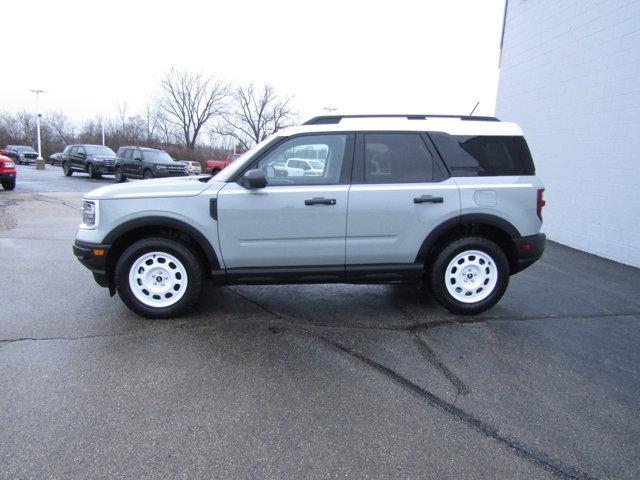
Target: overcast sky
[(363, 56)]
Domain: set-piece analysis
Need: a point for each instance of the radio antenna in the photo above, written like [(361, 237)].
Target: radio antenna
[(474, 108)]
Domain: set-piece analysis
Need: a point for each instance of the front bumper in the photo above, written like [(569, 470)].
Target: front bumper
[(168, 173), (94, 257), (105, 169), (528, 250), (7, 176)]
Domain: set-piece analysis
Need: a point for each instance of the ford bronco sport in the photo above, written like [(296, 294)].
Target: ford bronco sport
[(448, 201)]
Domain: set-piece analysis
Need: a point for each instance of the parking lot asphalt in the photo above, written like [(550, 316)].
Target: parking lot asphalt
[(316, 381)]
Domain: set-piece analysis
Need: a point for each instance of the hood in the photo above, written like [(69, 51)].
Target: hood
[(160, 187), (103, 157)]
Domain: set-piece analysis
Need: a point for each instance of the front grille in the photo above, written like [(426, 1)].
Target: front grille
[(31, 155), (176, 168), (109, 162)]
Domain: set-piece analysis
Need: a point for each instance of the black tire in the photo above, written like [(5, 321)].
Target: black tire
[(148, 174), (179, 250), (9, 184), (66, 169), (215, 171), (93, 173), (118, 175), (436, 274)]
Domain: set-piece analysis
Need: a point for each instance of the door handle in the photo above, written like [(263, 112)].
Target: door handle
[(320, 201), (428, 199)]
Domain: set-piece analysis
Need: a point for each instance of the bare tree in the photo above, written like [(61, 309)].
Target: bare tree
[(255, 113), (151, 122), (61, 126), (190, 100)]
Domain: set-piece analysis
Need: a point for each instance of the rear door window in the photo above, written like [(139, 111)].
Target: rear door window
[(397, 158)]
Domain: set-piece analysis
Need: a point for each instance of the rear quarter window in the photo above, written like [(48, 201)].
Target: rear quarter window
[(484, 155)]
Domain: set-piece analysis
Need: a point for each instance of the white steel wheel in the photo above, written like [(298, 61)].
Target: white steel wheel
[(471, 276), (158, 279)]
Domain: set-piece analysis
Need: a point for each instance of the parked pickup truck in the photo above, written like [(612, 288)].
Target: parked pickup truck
[(20, 154), (214, 166), (7, 173)]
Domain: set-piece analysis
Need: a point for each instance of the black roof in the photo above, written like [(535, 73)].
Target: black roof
[(140, 148), (330, 119)]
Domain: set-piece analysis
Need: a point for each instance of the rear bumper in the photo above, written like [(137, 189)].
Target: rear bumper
[(528, 250), (88, 254)]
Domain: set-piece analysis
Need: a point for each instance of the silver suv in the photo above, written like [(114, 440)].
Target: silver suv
[(451, 202)]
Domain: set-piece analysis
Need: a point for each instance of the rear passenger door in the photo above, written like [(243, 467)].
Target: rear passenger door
[(78, 158), (69, 156), (126, 162), (400, 192)]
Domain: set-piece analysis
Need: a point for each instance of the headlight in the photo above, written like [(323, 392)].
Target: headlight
[(89, 214), (161, 167), (9, 165)]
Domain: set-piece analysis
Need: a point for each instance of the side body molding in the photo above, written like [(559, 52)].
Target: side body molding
[(159, 221), (466, 219)]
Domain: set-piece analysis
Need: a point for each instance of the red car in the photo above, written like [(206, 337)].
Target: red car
[(214, 166), (7, 173)]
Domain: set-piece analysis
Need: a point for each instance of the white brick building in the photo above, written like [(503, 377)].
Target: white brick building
[(570, 76)]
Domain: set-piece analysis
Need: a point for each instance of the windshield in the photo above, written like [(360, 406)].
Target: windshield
[(225, 174), (316, 164), (99, 150), (156, 156), (23, 149)]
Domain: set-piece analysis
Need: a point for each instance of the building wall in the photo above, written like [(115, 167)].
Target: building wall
[(570, 76)]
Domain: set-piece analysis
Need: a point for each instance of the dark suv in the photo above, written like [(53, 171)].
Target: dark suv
[(95, 160), (139, 162)]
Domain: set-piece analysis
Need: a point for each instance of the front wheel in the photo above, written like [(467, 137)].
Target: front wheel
[(9, 184), (91, 170), (66, 169), (159, 278), (118, 175), (469, 275), (147, 174)]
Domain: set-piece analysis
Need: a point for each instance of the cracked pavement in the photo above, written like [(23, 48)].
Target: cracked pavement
[(315, 381)]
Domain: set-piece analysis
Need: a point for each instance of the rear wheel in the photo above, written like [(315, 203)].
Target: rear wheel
[(148, 174), (9, 184), (469, 275), (159, 278), (66, 169)]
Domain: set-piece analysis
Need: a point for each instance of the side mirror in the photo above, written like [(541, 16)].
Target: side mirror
[(82, 154), (254, 179), (137, 159)]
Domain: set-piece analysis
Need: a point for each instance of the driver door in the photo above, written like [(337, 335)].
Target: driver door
[(296, 225)]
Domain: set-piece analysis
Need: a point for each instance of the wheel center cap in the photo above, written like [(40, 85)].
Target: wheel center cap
[(158, 278)]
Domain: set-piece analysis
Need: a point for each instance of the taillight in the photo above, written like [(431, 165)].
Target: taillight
[(540, 203)]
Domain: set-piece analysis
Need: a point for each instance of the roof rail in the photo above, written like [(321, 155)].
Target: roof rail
[(331, 119)]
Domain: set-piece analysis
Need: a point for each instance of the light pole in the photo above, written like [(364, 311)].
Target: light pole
[(40, 160)]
